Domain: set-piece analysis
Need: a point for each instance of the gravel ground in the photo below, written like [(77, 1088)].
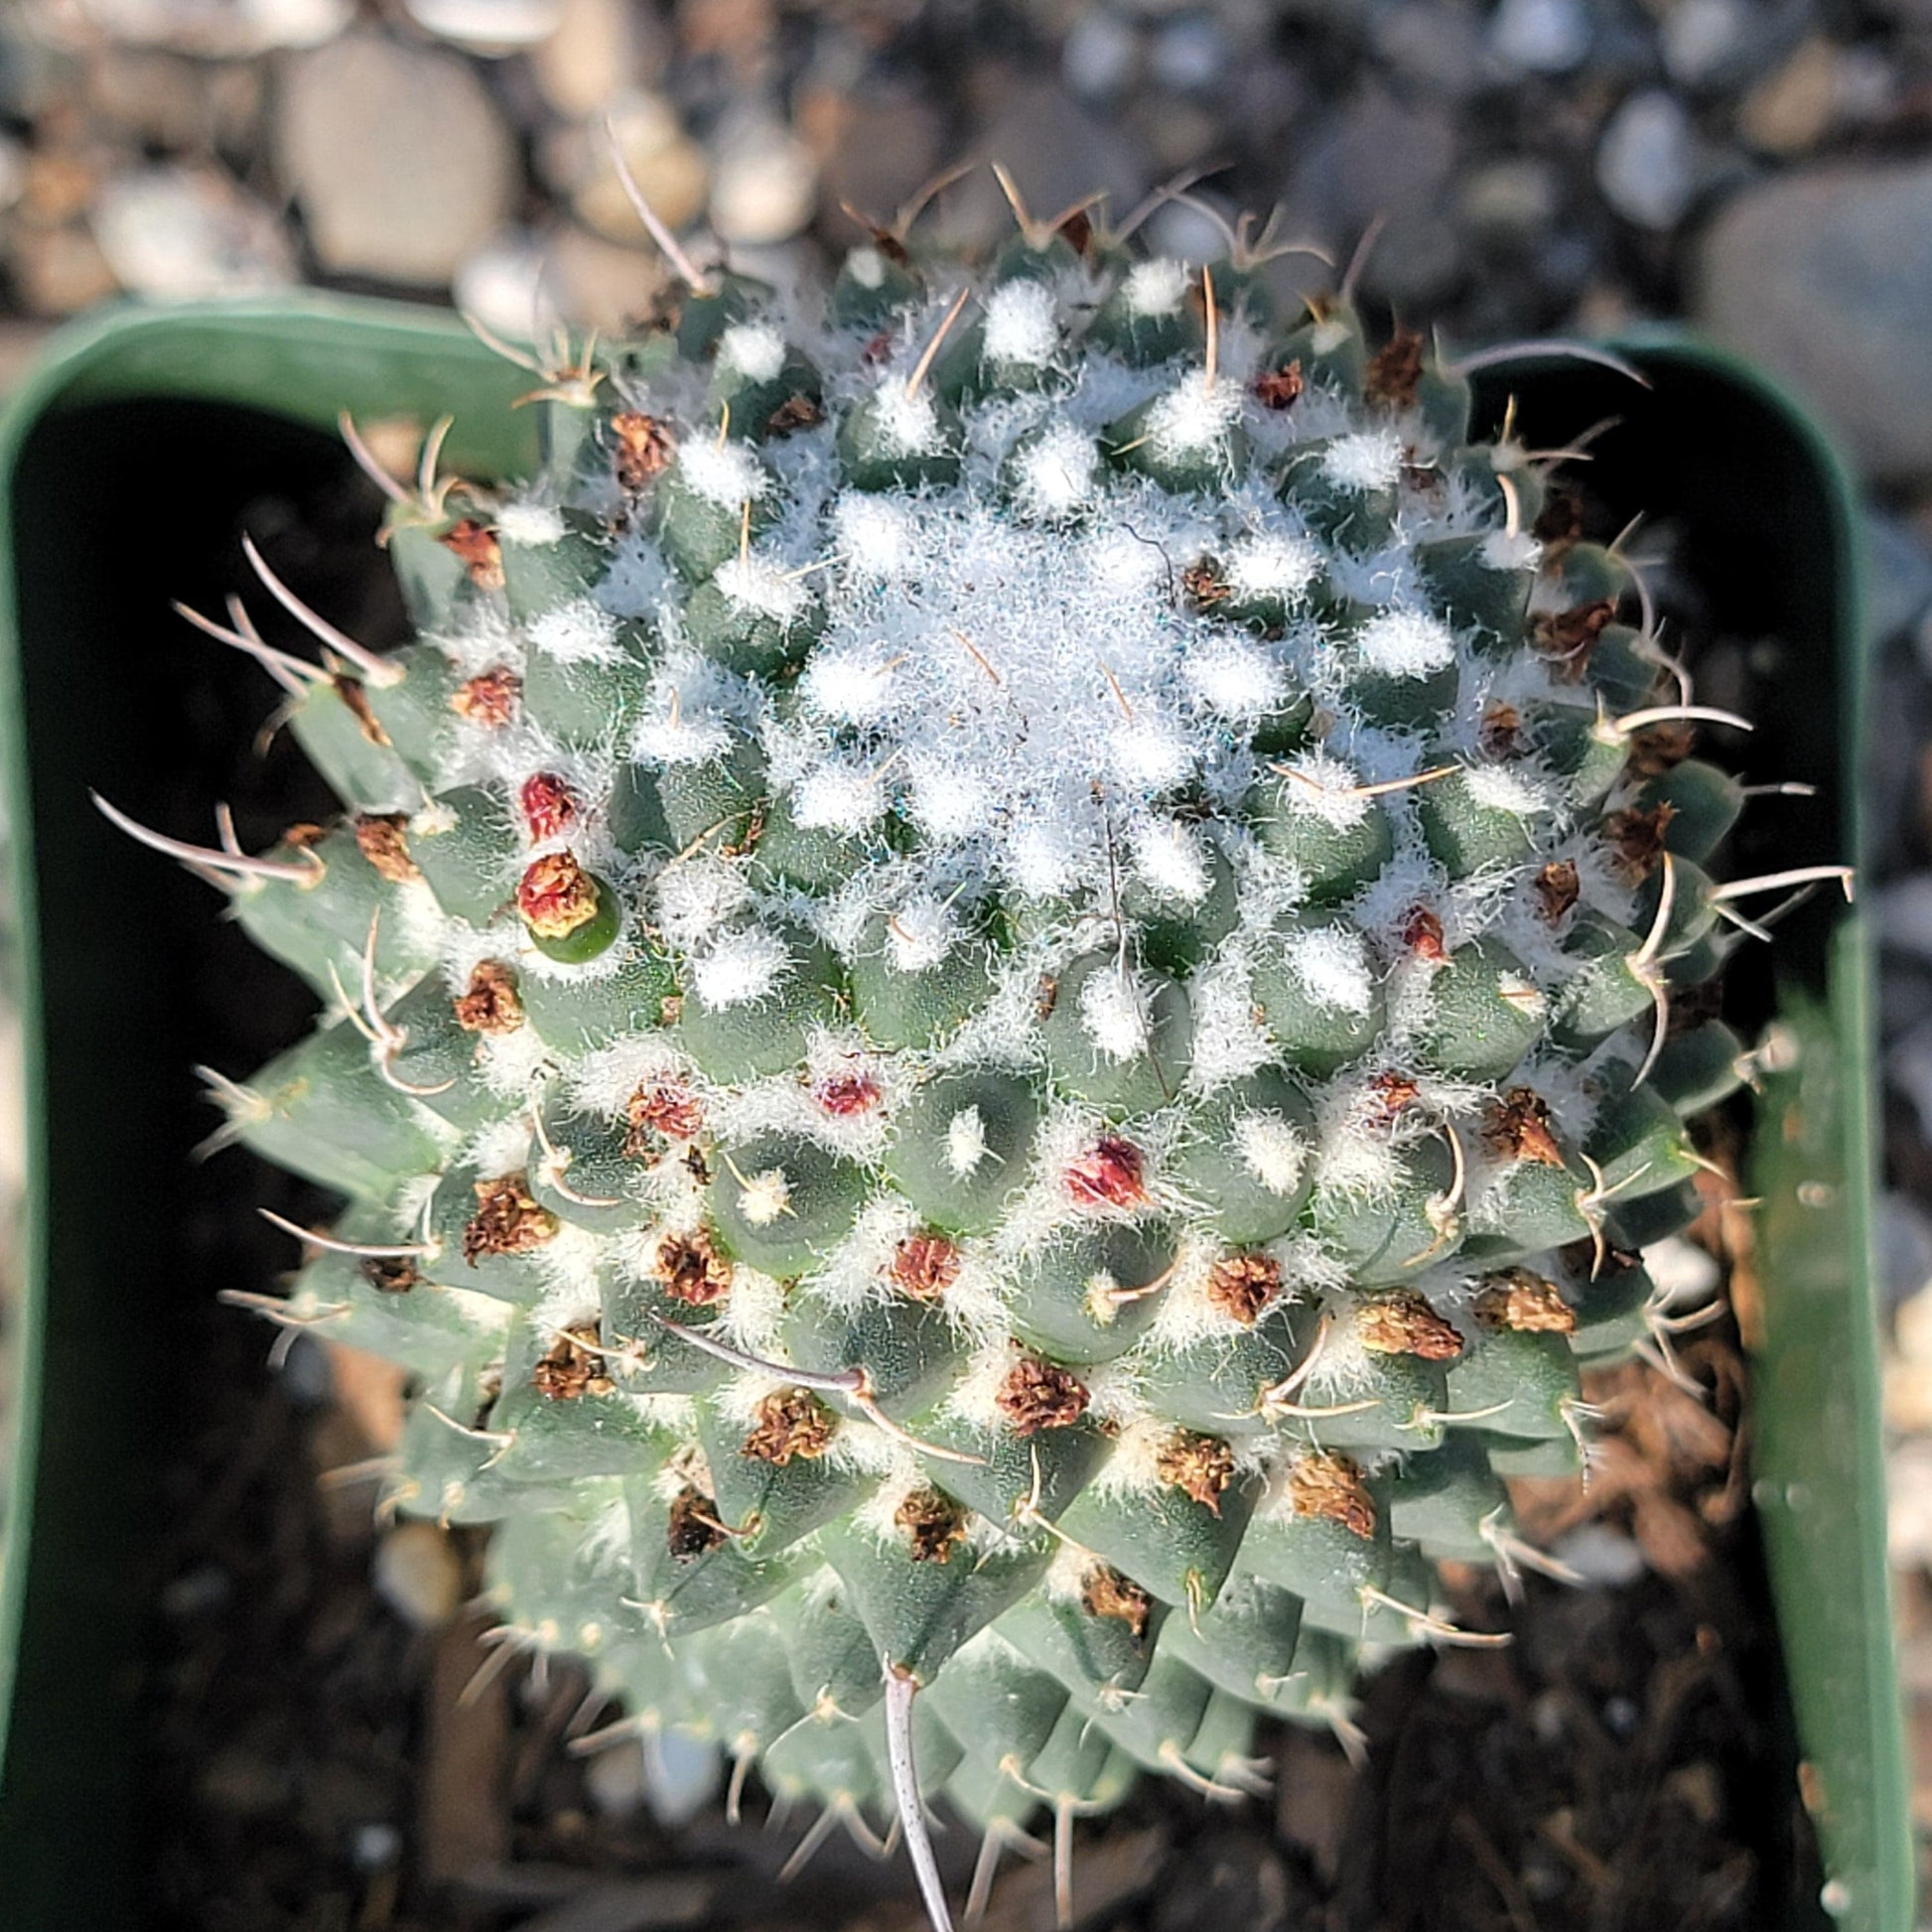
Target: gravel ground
[(1757, 166)]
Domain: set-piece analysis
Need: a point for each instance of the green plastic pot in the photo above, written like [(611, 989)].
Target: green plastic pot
[(134, 420)]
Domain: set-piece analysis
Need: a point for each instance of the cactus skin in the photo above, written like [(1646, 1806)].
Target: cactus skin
[(1006, 1007)]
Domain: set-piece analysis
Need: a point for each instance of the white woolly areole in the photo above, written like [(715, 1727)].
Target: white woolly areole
[(1368, 459), (852, 685), (1271, 1151), (1236, 677), (838, 796), (1021, 324), (1273, 566), (530, 525), (680, 736), (1323, 788), (1332, 966), (965, 1143), (740, 968), (1171, 860), (725, 474), (1155, 288), (908, 420), (1055, 474), (919, 935), (1506, 788), (1191, 419), (761, 586), (577, 632), (763, 1196), (876, 537), (1113, 1013), (1405, 644), (752, 348), (1510, 550), (697, 896), (866, 267)]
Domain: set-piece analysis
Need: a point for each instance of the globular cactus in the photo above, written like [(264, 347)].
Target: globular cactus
[(997, 1021)]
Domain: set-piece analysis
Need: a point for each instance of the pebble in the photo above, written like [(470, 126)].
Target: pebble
[(1904, 912), (179, 233), (1702, 40), (489, 26), (1646, 160), (600, 47), (876, 149), (503, 283), (1898, 578), (1437, 48), (763, 186), (211, 28), (1825, 277), (1794, 109), (396, 156), (1189, 54), (418, 1575), (1541, 36), (1605, 1558), (59, 270), (600, 284), (1510, 203), (682, 1776), (669, 169), (1102, 55), (1908, 1516), (1684, 1275)]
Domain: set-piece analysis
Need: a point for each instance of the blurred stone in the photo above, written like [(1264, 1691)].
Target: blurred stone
[(1510, 203), (488, 26), (1793, 109), (217, 29), (1102, 55), (1908, 1485), (503, 284), (599, 49), (1898, 582), (182, 232), (1700, 39), (57, 271), (1541, 36), (1646, 161), (13, 171), (1826, 278), (1904, 1248), (166, 100), (1435, 47), (681, 1775), (1605, 1558), (671, 170), (1188, 55), (418, 1575), (600, 284), (1904, 912), (396, 156), (1235, 1879), (876, 150), (763, 184)]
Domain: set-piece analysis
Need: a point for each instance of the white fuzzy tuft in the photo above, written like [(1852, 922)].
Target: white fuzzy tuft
[(697, 897), (1405, 644), (1022, 325), (876, 536), (530, 525), (1271, 1151), (1322, 787), (1236, 677), (1113, 1013), (851, 685), (1273, 566), (1506, 788), (1171, 860), (759, 585), (577, 632), (838, 796), (1191, 420), (1368, 459), (1054, 476), (725, 474), (965, 1143), (764, 1197), (1155, 288), (866, 267), (1332, 966), (919, 935), (752, 348), (908, 421), (740, 968)]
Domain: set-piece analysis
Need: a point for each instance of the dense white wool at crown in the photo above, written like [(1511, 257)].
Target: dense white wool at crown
[(741, 967), (1510, 550), (577, 632), (762, 586), (1321, 786), (1170, 859), (875, 536), (1272, 566), (725, 474), (908, 420), (697, 896), (838, 796), (1113, 1012), (1193, 418), (1271, 1149), (1235, 678), (530, 524), (1368, 459), (1333, 967), (965, 1143), (1150, 751), (1405, 644), (1155, 288), (1044, 858), (852, 685), (1021, 324), (866, 267), (1507, 788), (921, 934), (1055, 474), (752, 348), (1228, 1041), (503, 1146), (952, 803)]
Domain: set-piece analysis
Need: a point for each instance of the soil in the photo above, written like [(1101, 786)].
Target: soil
[(315, 1762)]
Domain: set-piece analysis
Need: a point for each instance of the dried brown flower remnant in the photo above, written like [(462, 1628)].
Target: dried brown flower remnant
[(794, 413), (1107, 1175), (488, 700), (380, 838), (1397, 1323), (478, 552), (1570, 637), (1104, 1591), (1323, 1483), (1206, 584), (642, 447), (692, 1270), (507, 1222), (555, 896), (1278, 389), (1241, 1286), (548, 805), (1662, 746), (1501, 732), (1518, 1127), (846, 1095), (1636, 836), (1524, 1304), (1558, 888), (1076, 231), (924, 1266), (1390, 1095), (350, 691), (1559, 525), (693, 1528), (1199, 1466), (1421, 934), (573, 1367), (1395, 370), (791, 1422), (391, 1274), (1041, 1395), (489, 1004), (660, 1110), (935, 1523)]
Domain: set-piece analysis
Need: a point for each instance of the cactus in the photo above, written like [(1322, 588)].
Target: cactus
[(998, 1014)]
